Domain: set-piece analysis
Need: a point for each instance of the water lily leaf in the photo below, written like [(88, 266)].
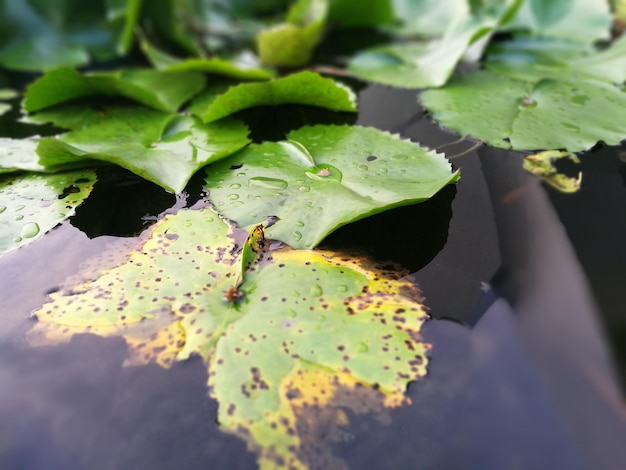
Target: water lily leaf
[(306, 88), (166, 149), (4, 108), (428, 63), (313, 331), (542, 165), (37, 36), (525, 115), (577, 20), (291, 44), (426, 18), (164, 91), (322, 178), (32, 204), (243, 67), (530, 59)]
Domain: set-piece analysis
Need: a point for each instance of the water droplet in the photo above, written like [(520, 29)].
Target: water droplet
[(43, 204), (232, 197), (18, 217), (362, 167), (297, 235), (324, 172), (299, 223), (316, 290), (2, 209), (382, 170), (342, 288), (30, 230), (362, 347), (19, 208), (296, 293), (291, 313), (267, 183), (269, 154), (304, 189), (235, 186), (399, 156), (17, 239), (241, 174), (236, 203)]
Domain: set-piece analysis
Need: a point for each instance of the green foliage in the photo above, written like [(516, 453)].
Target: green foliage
[(291, 44), (36, 35), (32, 204), (419, 64), (312, 332), (165, 91), (323, 177), (306, 88), (351, 14), (530, 115), (164, 148)]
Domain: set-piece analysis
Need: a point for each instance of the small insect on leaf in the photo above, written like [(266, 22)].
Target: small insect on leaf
[(233, 295)]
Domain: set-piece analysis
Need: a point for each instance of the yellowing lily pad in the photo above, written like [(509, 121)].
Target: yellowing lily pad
[(311, 333)]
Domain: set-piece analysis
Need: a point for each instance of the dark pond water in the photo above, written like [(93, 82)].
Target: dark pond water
[(526, 330)]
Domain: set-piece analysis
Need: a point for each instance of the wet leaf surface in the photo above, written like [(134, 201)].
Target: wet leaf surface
[(525, 115), (306, 88), (164, 148), (32, 204), (165, 91), (313, 332), (323, 177)]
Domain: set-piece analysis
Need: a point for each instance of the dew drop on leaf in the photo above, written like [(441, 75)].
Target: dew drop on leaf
[(267, 183), (29, 230)]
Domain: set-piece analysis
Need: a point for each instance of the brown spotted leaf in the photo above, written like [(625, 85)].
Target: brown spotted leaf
[(311, 335)]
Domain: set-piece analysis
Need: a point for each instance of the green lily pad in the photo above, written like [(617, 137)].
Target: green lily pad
[(322, 178), (312, 331), (426, 18), (530, 115), (165, 91), (243, 66), (576, 20), (166, 149), (428, 63), (291, 44), (307, 88), (23, 155), (531, 58), (32, 204)]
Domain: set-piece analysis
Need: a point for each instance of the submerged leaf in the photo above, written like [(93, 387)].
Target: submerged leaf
[(32, 204), (165, 91), (541, 164), (324, 177), (166, 149), (313, 332), (306, 88), (530, 115)]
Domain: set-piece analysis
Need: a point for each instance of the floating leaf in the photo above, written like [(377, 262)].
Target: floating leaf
[(32, 204), (243, 67), (428, 64), (23, 155), (324, 177), (306, 88), (541, 164), (426, 18), (291, 44), (38, 35), (576, 20), (351, 14), (530, 59), (166, 149), (313, 331), (530, 115), (164, 91)]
